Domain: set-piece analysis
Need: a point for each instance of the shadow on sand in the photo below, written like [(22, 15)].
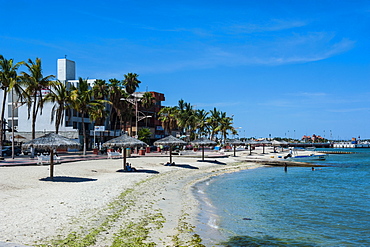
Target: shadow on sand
[(68, 179), (185, 166), (139, 171), (213, 162)]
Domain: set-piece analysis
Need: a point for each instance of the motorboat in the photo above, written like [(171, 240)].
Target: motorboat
[(309, 155)]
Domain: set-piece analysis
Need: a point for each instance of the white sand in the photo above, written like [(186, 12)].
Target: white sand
[(34, 212)]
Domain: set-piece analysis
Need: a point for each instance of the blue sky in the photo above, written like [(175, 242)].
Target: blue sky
[(285, 68)]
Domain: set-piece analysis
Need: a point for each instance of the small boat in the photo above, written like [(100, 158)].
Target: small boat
[(313, 156)]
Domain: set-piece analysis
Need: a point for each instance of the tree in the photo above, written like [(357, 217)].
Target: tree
[(225, 125), (35, 82), (120, 107), (84, 103), (213, 122), (131, 82), (201, 122), (100, 91), (167, 116), (61, 97), (81, 102), (147, 101), (186, 117), (144, 135), (8, 81), (97, 113)]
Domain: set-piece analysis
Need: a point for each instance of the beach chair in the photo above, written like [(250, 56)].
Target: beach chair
[(46, 158), (111, 154)]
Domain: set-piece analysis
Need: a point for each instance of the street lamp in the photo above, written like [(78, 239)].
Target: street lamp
[(135, 101)]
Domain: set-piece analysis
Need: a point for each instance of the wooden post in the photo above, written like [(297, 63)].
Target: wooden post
[(170, 154), (51, 164), (124, 158)]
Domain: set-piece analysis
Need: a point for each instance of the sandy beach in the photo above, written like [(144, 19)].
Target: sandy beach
[(93, 203)]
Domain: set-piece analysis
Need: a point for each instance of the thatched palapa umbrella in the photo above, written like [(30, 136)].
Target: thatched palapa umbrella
[(52, 141), (251, 142), (264, 142), (235, 142), (170, 141), (124, 141), (203, 142)]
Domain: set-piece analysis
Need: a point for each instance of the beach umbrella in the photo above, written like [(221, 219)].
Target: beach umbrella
[(279, 143), (169, 141), (203, 142), (124, 141), (276, 143), (251, 142), (50, 142), (234, 142), (264, 142)]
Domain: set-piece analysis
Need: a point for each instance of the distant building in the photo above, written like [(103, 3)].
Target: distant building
[(313, 138)]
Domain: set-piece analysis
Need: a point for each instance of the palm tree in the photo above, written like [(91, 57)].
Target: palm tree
[(213, 122), (147, 101), (61, 97), (201, 122), (167, 116), (84, 103), (81, 102), (100, 90), (35, 82), (225, 125), (116, 94), (131, 82), (8, 81), (98, 112), (185, 116)]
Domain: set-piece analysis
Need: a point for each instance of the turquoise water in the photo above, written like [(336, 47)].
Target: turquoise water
[(269, 207)]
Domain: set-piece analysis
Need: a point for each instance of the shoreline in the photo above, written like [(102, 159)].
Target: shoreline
[(93, 202)]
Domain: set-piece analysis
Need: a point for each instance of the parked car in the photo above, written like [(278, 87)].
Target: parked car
[(7, 151), (26, 151)]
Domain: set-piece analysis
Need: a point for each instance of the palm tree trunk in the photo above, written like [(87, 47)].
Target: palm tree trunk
[(58, 120), (34, 113), (84, 134), (2, 121)]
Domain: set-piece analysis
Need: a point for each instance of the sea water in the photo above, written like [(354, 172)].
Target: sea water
[(329, 206)]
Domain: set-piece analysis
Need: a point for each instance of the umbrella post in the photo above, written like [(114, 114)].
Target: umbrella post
[(250, 149), (234, 150), (51, 164), (202, 152), (170, 154), (263, 146), (124, 158)]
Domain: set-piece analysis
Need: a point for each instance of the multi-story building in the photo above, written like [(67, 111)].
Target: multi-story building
[(71, 126)]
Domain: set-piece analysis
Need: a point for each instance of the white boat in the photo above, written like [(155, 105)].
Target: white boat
[(313, 156)]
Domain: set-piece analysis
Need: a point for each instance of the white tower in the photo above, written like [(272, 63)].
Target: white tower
[(66, 70)]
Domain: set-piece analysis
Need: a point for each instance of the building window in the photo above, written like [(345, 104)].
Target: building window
[(69, 124), (10, 111), (15, 123)]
